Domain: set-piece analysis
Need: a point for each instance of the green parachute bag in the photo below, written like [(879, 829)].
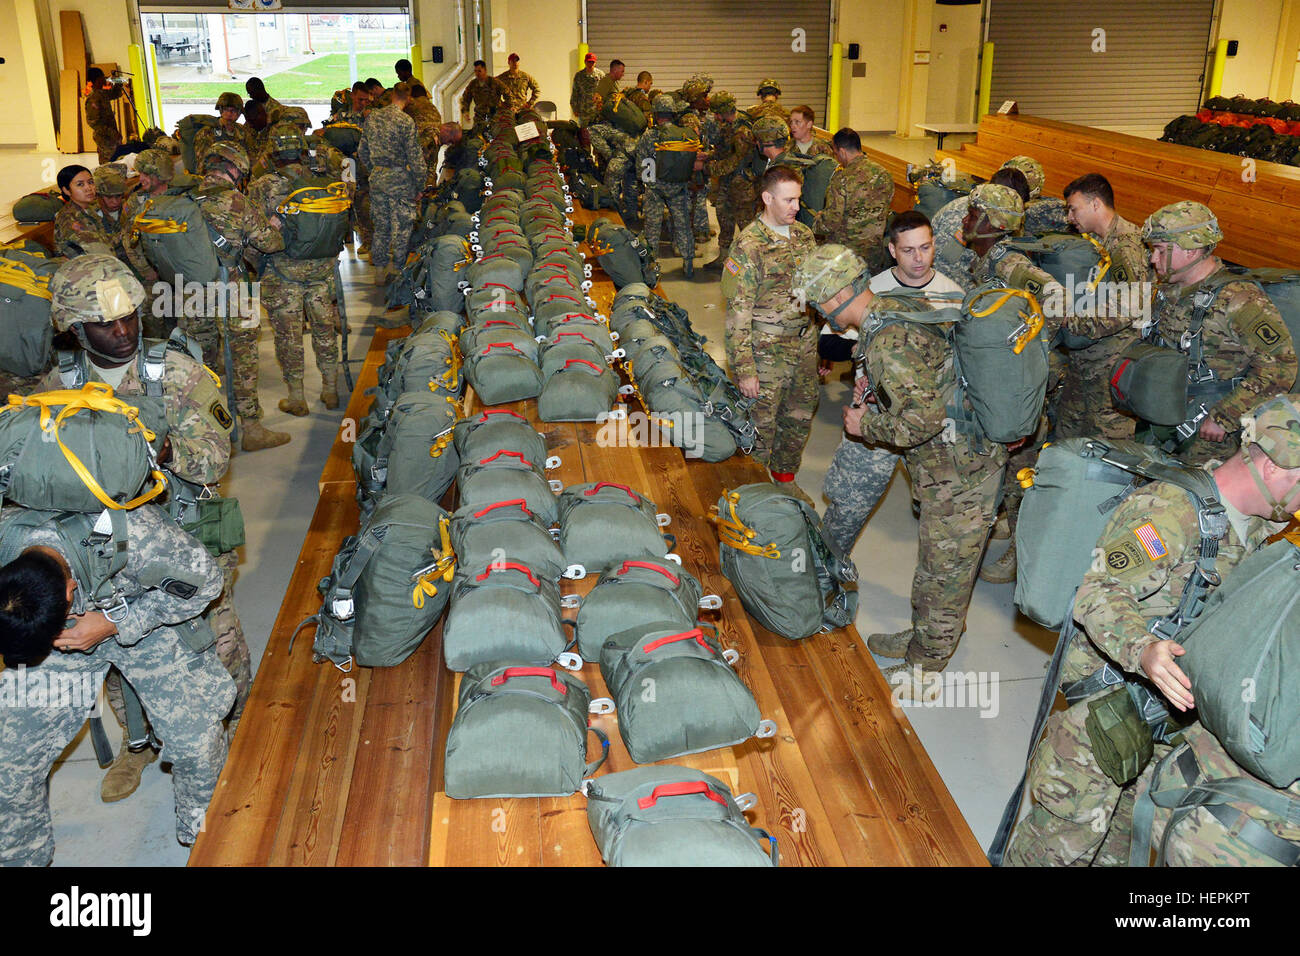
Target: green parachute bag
[(647, 589), (1241, 657), (387, 587), (623, 115), (695, 700), (603, 524), (787, 572), (506, 475), (622, 254), (1282, 286), (817, 172), (41, 206), (936, 186), (504, 611), (345, 137), (501, 373), (520, 732), (176, 239), (76, 450), (674, 816), (1070, 494), (508, 530), (187, 130), (497, 429), (427, 359), (216, 522), (1072, 260), (1150, 381), (314, 217), (415, 455), (582, 390), (26, 333), (685, 418), (675, 150)]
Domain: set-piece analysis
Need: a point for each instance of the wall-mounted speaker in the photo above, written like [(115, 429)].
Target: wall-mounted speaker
[(437, 54), (854, 51)]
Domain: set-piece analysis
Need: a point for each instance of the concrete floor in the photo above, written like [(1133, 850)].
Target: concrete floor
[(977, 745)]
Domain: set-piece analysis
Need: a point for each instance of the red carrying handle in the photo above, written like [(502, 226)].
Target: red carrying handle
[(495, 255), (498, 216), (497, 285), (591, 365), (490, 322), (559, 295), (500, 411), (562, 276), (508, 454), (683, 789), (1114, 379), (585, 316), (509, 242), (609, 484), (560, 335), (696, 635), (523, 506), (648, 566), (499, 345), (509, 566), (510, 672)]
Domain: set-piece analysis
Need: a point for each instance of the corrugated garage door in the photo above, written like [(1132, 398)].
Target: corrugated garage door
[(1150, 72), (730, 39)]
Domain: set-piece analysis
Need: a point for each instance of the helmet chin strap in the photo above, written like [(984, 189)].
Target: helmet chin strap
[(1280, 513), (1177, 275), (84, 341), (858, 285)]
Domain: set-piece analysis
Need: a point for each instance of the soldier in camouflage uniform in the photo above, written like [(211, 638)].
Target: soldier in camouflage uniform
[(486, 93), (660, 195), (640, 94), (196, 449), (325, 157), (292, 287), (391, 151), (956, 479), (185, 692), (769, 102), (155, 169), (1151, 547), (582, 101), (1083, 406), (1243, 340), (615, 149), (101, 116), (240, 224), (730, 170), (770, 348), (78, 225), (228, 128), (857, 203), (695, 92), (256, 91), (520, 86), (1043, 214), (805, 139), (110, 193)]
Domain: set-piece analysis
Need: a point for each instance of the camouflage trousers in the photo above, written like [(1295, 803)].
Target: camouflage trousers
[(1080, 817), (207, 333), (231, 648), (392, 218), (699, 203), (957, 514), (361, 219), (186, 694), (1026, 457), (673, 197), (787, 398), (1083, 406), (286, 303), (855, 482), (107, 140), (620, 179), (734, 201)]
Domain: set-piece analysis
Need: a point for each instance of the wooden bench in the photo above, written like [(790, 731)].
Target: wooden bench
[(332, 768), (1257, 203)]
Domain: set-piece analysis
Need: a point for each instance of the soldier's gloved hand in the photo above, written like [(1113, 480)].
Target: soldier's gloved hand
[(748, 386), (853, 420), (89, 630), (1157, 662), (1211, 430)]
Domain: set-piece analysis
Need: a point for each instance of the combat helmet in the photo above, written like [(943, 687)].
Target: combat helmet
[(286, 141), (230, 100), (297, 116), (768, 85), (824, 272), (110, 179), (722, 102), (1033, 171), (93, 288), (232, 153), (157, 163), (1275, 427), (1187, 224), (1001, 205), (698, 85), (771, 131), (663, 105)]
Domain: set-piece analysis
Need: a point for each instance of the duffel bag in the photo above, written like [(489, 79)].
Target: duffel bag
[(496, 429), (504, 476), (499, 269), (415, 455), (581, 390), (603, 524), (642, 590), (508, 531), (501, 373), (1151, 382), (503, 611)]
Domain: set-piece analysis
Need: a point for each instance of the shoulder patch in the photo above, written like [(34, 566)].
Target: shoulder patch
[(222, 417), (1268, 335), (1151, 541), (730, 266)]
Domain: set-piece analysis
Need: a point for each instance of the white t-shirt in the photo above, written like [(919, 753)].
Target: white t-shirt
[(113, 376), (885, 281)]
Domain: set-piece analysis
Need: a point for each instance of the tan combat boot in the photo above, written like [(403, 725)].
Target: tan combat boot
[(1003, 570), (295, 404), (1002, 528), (123, 775), (890, 645), (329, 389), (257, 437)]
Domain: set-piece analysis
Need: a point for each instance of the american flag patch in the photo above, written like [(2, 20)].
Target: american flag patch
[(732, 267), (1151, 541)]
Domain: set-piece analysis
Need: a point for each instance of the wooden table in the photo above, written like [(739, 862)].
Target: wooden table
[(332, 768), (943, 129)]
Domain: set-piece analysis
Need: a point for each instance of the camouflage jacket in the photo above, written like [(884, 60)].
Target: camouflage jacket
[(77, 231), (582, 101), (237, 219), (268, 192), (952, 256), (237, 134), (606, 88), (520, 87), (1217, 764), (1045, 214), (422, 110), (756, 280), (1243, 335), (129, 241), (390, 151), (641, 99), (198, 422), (486, 95), (607, 140), (1128, 256), (769, 108), (735, 146), (821, 145), (857, 202), (100, 114), (1147, 553), (154, 543)]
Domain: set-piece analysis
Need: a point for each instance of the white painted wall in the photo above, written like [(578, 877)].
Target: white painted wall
[(954, 64), (871, 102), (1254, 24), (17, 125)]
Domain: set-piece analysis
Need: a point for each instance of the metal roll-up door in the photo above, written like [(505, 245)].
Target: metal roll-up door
[(287, 6), (739, 42), (1048, 57)]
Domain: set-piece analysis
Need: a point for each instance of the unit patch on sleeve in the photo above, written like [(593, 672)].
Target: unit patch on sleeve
[(1151, 541)]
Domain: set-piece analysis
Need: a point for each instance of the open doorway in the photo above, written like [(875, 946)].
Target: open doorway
[(302, 57)]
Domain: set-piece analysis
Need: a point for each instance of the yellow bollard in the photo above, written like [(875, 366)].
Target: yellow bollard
[(1216, 71), (417, 68), (833, 95), (986, 80)]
